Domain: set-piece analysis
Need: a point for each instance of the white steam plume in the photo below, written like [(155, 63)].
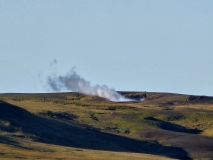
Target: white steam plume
[(72, 81)]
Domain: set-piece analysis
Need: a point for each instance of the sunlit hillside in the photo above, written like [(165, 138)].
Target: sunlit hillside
[(76, 126)]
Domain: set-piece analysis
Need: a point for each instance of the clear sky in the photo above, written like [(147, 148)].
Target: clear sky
[(128, 45)]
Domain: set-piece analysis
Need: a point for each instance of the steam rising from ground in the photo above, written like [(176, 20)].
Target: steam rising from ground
[(73, 82)]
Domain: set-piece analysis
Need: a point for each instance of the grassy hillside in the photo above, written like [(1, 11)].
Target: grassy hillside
[(72, 125)]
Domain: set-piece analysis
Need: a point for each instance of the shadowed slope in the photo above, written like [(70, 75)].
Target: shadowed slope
[(172, 127), (54, 132)]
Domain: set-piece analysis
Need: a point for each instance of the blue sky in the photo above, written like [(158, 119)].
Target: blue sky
[(159, 46)]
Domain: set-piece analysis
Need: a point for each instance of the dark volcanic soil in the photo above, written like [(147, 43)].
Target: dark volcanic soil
[(196, 145)]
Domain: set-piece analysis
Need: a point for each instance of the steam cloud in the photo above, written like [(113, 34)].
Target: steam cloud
[(72, 81)]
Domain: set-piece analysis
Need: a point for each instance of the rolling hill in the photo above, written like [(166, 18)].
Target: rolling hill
[(73, 125)]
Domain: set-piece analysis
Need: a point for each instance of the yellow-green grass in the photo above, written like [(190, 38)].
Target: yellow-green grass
[(46, 151), (122, 116), (133, 116), (123, 119)]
